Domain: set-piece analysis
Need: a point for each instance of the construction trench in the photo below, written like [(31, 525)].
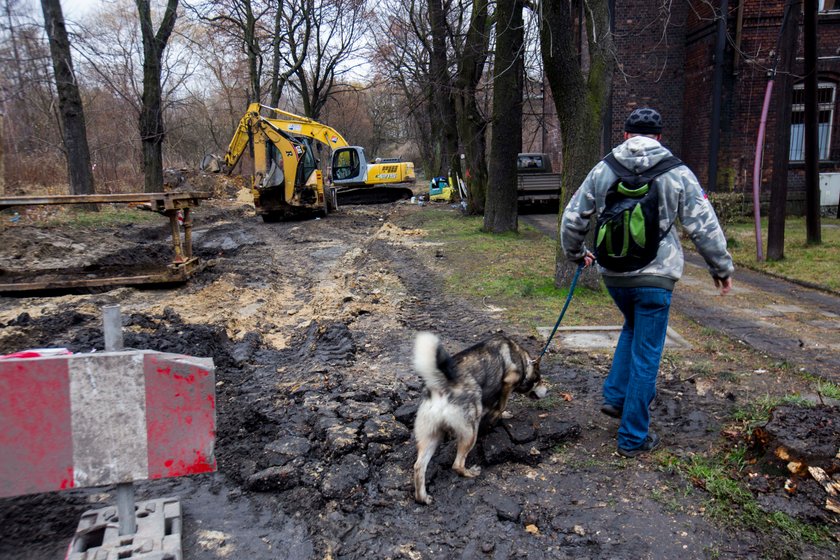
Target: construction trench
[(310, 324)]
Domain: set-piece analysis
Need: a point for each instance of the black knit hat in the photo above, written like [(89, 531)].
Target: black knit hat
[(644, 121)]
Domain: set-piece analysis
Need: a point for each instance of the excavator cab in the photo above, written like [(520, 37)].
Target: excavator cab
[(349, 165)]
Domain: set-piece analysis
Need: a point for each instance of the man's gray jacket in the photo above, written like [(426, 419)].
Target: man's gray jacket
[(681, 199)]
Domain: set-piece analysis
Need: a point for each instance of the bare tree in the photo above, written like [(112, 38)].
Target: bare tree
[(337, 28), (28, 98), (69, 101), (442, 101), (500, 212), (472, 125), (290, 44), (151, 115), (580, 86), (400, 58), (241, 18)]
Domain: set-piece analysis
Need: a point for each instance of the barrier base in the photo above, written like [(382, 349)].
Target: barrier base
[(158, 535)]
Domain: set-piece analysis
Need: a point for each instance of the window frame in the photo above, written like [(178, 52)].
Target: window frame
[(821, 107), (821, 9)]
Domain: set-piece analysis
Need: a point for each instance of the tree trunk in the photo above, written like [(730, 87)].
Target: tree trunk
[(151, 114), (813, 228), (2, 158), (500, 213), (69, 102), (781, 155), (253, 53), (471, 125), (444, 130), (580, 98)]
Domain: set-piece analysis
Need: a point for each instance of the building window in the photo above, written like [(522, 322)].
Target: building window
[(829, 6), (825, 118)]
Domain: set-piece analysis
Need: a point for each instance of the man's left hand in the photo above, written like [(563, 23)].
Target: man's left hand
[(724, 285)]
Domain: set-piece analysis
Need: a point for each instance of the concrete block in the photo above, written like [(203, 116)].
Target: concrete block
[(158, 535)]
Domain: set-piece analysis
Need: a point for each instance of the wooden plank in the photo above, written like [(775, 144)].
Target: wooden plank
[(180, 273), (168, 201)]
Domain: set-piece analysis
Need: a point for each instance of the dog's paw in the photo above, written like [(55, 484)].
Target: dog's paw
[(472, 472), (426, 500)]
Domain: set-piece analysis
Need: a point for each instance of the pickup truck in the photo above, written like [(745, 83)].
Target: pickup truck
[(535, 182)]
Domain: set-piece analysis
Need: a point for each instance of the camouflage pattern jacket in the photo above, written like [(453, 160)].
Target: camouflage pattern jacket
[(681, 199)]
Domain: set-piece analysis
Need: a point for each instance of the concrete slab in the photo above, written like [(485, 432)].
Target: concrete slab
[(830, 325), (786, 308), (591, 338)]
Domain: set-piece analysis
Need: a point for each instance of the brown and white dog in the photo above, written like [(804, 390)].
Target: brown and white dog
[(461, 391)]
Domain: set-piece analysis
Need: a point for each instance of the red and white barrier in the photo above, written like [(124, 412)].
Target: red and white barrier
[(95, 419)]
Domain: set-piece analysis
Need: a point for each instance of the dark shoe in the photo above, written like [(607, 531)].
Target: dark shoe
[(612, 411), (651, 443)]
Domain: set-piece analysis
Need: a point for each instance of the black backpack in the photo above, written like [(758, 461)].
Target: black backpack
[(628, 233)]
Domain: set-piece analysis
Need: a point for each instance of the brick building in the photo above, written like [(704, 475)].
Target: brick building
[(667, 59)]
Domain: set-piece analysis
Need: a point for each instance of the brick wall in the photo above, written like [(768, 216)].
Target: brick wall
[(749, 55), (666, 60), (650, 50)]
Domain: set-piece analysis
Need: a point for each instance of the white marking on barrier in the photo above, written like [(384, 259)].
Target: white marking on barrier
[(108, 414)]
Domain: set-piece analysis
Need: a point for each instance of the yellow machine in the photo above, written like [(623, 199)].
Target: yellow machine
[(287, 179)]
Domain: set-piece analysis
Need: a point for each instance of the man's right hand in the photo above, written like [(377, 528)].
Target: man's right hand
[(724, 285)]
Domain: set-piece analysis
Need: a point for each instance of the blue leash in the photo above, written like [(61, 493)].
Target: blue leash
[(565, 306)]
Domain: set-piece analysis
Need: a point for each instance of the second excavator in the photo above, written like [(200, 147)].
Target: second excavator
[(287, 179)]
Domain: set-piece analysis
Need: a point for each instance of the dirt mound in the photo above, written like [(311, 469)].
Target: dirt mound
[(219, 185)]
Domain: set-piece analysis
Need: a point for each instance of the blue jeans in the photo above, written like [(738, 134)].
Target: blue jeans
[(631, 383)]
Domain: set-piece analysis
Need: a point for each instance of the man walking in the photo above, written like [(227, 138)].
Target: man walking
[(637, 193)]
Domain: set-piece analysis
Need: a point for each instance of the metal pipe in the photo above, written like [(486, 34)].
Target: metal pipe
[(126, 508), (112, 329), (759, 152)]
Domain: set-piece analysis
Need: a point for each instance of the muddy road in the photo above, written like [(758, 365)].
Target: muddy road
[(310, 325)]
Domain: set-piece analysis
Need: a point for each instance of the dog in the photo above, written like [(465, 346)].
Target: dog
[(461, 392)]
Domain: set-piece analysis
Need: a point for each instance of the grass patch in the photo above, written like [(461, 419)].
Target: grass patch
[(107, 216), (828, 389), (512, 271), (758, 413), (731, 503), (817, 264)]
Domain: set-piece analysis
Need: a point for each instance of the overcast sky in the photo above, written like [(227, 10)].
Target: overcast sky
[(72, 9)]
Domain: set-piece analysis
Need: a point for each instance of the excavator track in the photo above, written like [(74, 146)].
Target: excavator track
[(372, 195)]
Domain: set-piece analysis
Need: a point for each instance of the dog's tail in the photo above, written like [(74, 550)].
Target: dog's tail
[(432, 362)]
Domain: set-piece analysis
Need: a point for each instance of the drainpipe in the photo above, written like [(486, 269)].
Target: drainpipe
[(717, 86)]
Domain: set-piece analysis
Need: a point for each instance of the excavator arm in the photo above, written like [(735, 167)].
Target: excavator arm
[(302, 185), (297, 125)]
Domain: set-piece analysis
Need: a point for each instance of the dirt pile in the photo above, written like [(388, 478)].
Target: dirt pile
[(221, 186)]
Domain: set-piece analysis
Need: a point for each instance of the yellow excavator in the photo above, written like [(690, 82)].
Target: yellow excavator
[(287, 180)]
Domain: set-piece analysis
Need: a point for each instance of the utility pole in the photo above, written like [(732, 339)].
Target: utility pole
[(812, 145)]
